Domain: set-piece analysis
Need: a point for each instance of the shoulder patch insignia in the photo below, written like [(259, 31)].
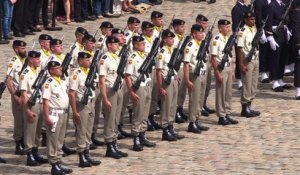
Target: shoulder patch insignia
[(241, 34), (22, 77), (104, 57), (243, 29), (126, 34), (102, 62), (190, 44), (10, 65), (217, 37), (46, 85), (214, 42), (187, 50), (160, 57), (74, 77), (130, 61), (162, 50)]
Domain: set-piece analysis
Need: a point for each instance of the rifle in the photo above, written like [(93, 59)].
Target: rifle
[(66, 62), (121, 67), (89, 82), (3, 84), (146, 67), (283, 18), (228, 48), (201, 55), (255, 41), (170, 25), (180, 57)]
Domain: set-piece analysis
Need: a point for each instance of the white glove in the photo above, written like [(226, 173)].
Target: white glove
[(263, 38), (272, 42), (288, 34)]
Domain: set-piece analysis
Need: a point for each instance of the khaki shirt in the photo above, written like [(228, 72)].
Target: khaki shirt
[(190, 56), (102, 41), (148, 43), (156, 31), (218, 46), (14, 69), (44, 58), (163, 60), (108, 67), (77, 83), (57, 93), (178, 38), (59, 58), (245, 37), (27, 79), (133, 64), (78, 48)]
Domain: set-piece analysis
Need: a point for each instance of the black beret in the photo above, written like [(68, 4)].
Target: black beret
[(45, 37), (249, 14), (106, 24), (111, 39), (223, 22), (177, 22), (52, 64), (197, 27), (83, 55), (34, 54), (201, 17), (88, 37), (55, 41), (156, 14), (117, 31), (81, 30), (168, 33), (18, 43), (137, 39), (147, 25), (132, 20)]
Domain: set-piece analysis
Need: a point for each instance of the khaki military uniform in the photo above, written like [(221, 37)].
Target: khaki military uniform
[(140, 111), (13, 71), (108, 68), (84, 129), (102, 41), (169, 103), (78, 48), (59, 58), (57, 95), (196, 97), (32, 130), (148, 43), (250, 79), (45, 55), (156, 31), (223, 92)]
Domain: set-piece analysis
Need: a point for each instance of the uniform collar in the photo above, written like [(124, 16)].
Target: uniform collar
[(57, 78), (180, 37), (114, 55), (85, 70), (141, 54), (46, 52)]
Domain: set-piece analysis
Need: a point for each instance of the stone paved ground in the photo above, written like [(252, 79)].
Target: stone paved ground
[(265, 145)]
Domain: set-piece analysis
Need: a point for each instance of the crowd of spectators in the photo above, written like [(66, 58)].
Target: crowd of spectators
[(25, 17)]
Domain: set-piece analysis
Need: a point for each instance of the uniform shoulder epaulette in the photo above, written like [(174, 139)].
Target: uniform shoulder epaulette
[(13, 59), (100, 39), (104, 57), (78, 71), (190, 44), (25, 71), (162, 50), (217, 37), (126, 34), (133, 55), (243, 29)]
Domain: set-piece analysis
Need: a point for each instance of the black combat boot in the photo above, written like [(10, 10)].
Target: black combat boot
[(174, 133), (210, 111), (246, 111), (204, 113), (257, 113), (56, 170), (19, 148), (181, 113), (231, 120), (123, 132), (95, 141), (90, 159), (223, 121), (150, 127), (30, 160), (201, 127), (137, 144), (153, 122), (111, 151), (178, 118), (44, 139), (38, 157), (211, 1), (123, 154), (167, 136), (2, 160), (193, 128), (64, 169), (83, 162), (67, 151), (144, 141)]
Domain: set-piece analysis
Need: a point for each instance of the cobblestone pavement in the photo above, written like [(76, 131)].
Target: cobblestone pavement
[(265, 145)]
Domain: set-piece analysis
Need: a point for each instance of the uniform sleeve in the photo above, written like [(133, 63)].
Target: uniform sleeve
[(129, 66), (23, 82), (188, 53), (74, 82), (214, 47), (241, 39), (10, 68), (46, 91), (103, 68), (160, 60)]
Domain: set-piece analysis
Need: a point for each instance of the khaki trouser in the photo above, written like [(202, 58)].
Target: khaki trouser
[(126, 101), (32, 131), (18, 114), (110, 117), (154, 93), (97, 105), (56, 139), (181, 88), (196, 97), (250, 81), (169, 104), (84, 129), (208, 80), (140, 111), (224, 93)]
